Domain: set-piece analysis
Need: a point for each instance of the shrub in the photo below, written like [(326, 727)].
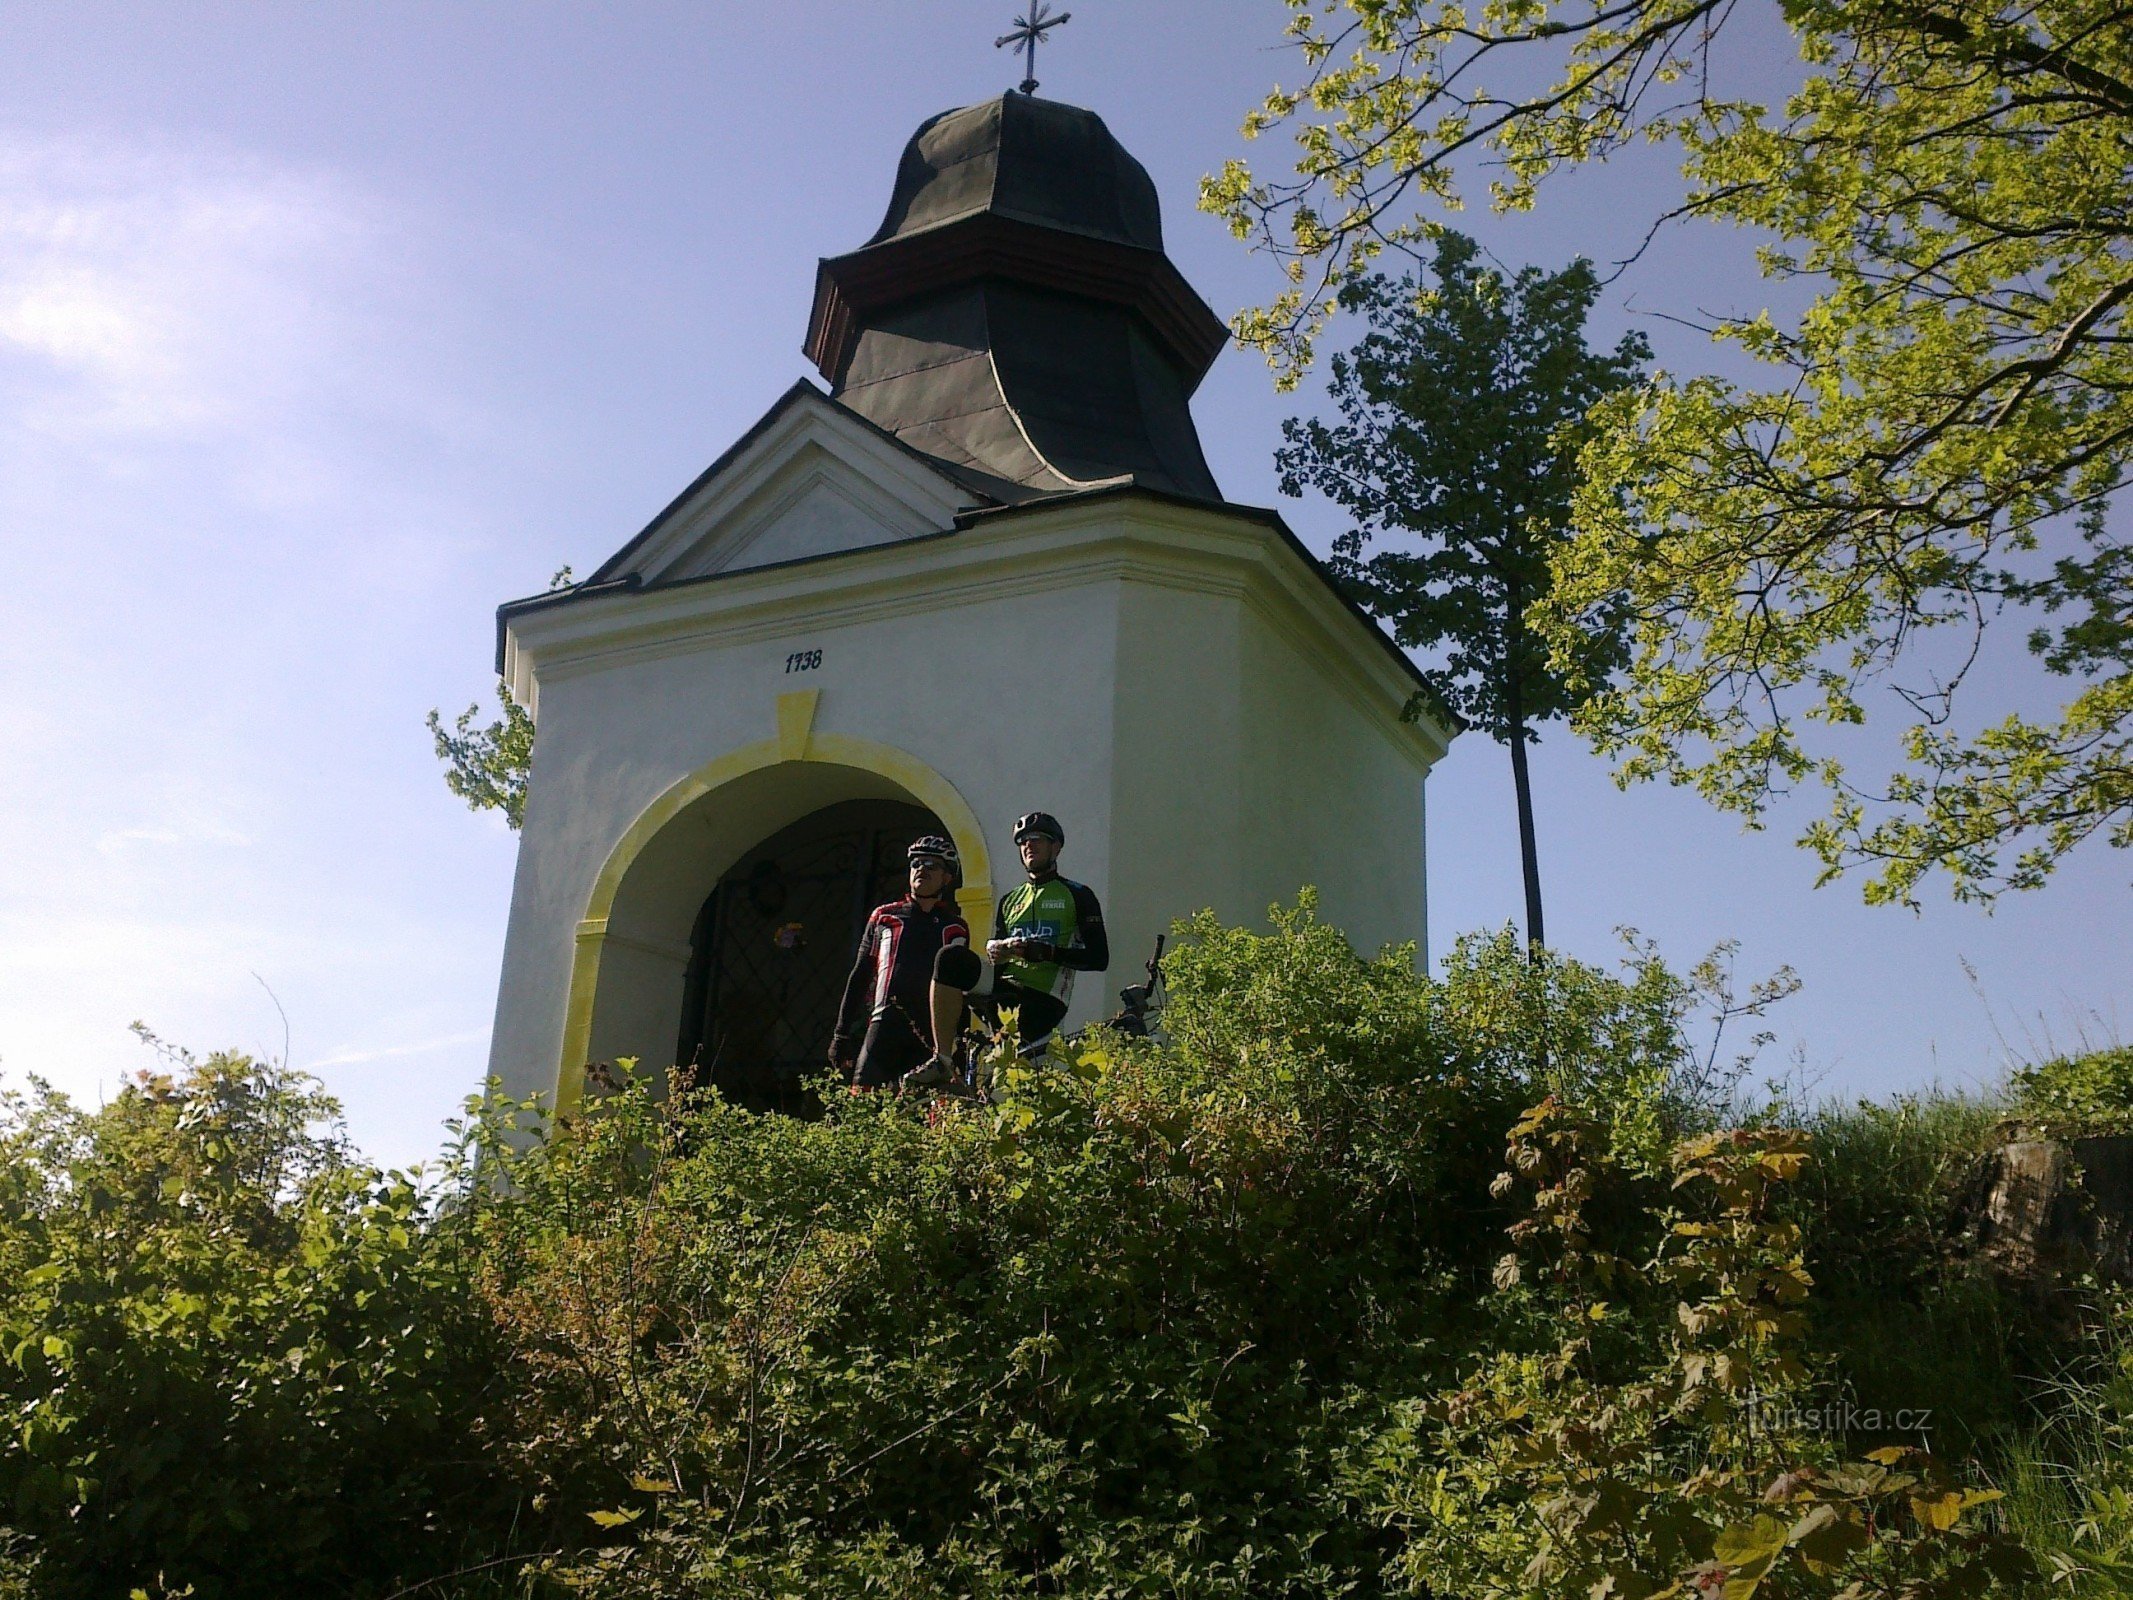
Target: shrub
[(1169, 1319), (2090, 1093), (1687, 1475), (238, 1362), (1129, 1331), (1117, 1334)]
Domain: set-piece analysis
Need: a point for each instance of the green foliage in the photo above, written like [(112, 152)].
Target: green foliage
[(1918, 1325), (1462, 412), (1554, 1473), (1886, 1171), (1221, 1314), (488, 766), (2070, 1484), (236, 1361), (1939, 431), (1123, 1333), (2091, 1093), (18, 1567)]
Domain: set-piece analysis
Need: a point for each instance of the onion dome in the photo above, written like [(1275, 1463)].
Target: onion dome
[(1015, 316)]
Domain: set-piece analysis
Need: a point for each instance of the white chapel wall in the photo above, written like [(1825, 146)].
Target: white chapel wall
[(1332, 797), (1206, 743), (1250, 765), (1176, 797), (1007, 698)]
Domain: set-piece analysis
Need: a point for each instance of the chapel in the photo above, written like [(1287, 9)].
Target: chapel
[(982, 569)]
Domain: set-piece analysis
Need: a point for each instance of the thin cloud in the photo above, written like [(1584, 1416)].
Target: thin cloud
[(219, 376), (148, 295), (119, 840), (395, 1052)]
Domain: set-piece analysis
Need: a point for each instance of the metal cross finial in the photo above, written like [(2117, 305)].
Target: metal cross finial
[(1030, 29)]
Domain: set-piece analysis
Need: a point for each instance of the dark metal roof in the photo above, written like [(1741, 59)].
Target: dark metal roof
[(1036, 160), (1015, 317)]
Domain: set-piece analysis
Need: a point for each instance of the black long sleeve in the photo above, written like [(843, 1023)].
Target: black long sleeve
[(1091, 951), (853, 1008)]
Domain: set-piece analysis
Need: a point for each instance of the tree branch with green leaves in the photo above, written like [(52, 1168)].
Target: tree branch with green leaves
[(487, 766), (1939, 432)]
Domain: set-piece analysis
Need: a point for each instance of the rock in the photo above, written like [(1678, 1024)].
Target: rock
[(2043, 1207)]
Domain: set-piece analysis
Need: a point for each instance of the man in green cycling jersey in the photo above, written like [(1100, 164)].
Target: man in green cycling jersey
[(1044, 931)]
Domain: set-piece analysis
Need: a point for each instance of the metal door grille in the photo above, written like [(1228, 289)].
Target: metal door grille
[(776, 940)]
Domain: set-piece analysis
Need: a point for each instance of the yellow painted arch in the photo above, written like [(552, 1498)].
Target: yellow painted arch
[(796, 741)]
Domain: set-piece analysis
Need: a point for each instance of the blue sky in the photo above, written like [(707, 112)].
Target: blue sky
[(324, 328)]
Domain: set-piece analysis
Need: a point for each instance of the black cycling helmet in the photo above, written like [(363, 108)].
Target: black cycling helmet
[(1040, 824), (934, 847)]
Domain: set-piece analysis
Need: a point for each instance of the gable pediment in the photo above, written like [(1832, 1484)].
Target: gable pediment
[(810, 479)]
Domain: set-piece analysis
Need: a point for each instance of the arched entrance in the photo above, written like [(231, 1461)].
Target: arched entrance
[(774, 941), (636, 943)]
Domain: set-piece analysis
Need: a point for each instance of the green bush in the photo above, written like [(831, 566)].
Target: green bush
[(1146, 1327), (2090, 1093), (237, 1361), (1165, 1321), (1124, 1333), (1693, 1467)]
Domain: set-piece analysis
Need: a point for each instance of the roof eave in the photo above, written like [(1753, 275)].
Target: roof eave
[(1450, 723), (991, 244)]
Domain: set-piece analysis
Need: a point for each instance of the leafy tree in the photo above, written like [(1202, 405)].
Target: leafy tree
[(1940, 430), (487, 767), (234, 1360), (1461, 416)]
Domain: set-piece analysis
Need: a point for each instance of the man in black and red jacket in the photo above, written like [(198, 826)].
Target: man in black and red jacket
[(884, 1026)]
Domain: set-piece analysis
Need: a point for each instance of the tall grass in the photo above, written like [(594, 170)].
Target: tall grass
[(1909, 1324), (2069, 1480), (2038, 1389)]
